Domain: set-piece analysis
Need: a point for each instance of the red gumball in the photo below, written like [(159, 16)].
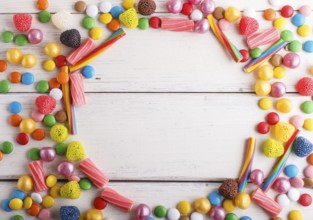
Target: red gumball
[(272, 118), (245, 55), (99, 203), (155, 22), (60, 61), (263, 128), (305, 199), (22, 138), (187, 9), (286, 11)]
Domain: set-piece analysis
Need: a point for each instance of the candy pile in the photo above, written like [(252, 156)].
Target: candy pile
[(68, 85)]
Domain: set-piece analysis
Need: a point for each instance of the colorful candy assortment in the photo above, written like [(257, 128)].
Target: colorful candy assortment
[(68, 85)]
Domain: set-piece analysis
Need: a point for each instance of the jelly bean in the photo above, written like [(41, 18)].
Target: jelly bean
[(48, 202), (105, 18), (304, 30), (105, 6), (44, 16), (29, 61), (7, 36), (265, 103), (7, 147), (42, 86), (15, 77), (228, 205), (202, 205), (143, 23), (293, 194), (96, 33), (196, 15), (296, 182), (92, 10), (184, 207), (22, 138), (100, 203), (298, 20), (308, 46), (114, 25), (262, 88), (295, 215), (21, 40), (16, 204), (160, 211), (280, 23), (269, 14), (305, 199), (116, 11), (14, 56), (295, 46), (242, 200), (263, 127), (286, 11), (232, 14), (48, 65), (18, 194), (283, 200), (308, 124)]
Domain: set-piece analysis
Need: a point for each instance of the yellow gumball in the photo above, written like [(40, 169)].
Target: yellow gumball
[(16, 204), (94, 214), (265, 103), (28, 201), (48, 202), (55, 191), (184, 207), (266, 72), (280, 23), (308, 124), (14, 56), (52, 49), (29, 61), (202, 205), (105, 18), (232, 14), (27, 125), (229, 205), (25, 183), (279, 72), (96, 33), (82, 216), (127, 4), (262, 88), (243, 200), (284, 105), (51, 180), (295, 215), (49, 65), (304, 30)]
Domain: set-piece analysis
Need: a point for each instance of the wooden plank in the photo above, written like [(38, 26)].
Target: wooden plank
[(158, 136), (137, 63), (152, 194), (30, 7)]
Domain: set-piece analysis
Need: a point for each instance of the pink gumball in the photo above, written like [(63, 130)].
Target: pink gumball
[(291, 60), (174, 6), (224, 24), (142, 212), (281, 185), (305, 10), (195, 2), (257, 177), (278, 89), (207, 7), (202, 26), (66, 169), (47, 154), (217, 213), (35, 36), (297, 121)]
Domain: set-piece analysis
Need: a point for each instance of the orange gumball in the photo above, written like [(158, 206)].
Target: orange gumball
[(53, 83), (42, 4), (114, 25), (1, 155), (310, 159), (269, 14), (39, 134), (15, 120), (15, 77), (63, 77), (34, 210)]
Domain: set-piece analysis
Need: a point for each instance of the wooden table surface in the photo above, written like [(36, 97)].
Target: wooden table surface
[(167, 113)]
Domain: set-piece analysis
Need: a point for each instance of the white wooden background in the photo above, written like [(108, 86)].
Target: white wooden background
[(167, 115)]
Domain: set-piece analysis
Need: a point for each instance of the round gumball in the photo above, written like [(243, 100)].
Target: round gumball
[(305, 199), (281, 185), (22, 138), (35, 36), (207, 7), (47, 154), (263, 128), (278, 89), (286, 11), (242, 200), (202, 26), (27, 125), (257, 177), (52, 49), (174, 6), (272, 118), (142, 211), (29, 61), (217, 213), (291, 60), (66, 169), (14, 56)]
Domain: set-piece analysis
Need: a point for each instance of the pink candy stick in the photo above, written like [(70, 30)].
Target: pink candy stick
[(77, 89), (268, 204), (268, 36), (39, 177), (114, 198), (93, 172), (177, 24), (80, 52)]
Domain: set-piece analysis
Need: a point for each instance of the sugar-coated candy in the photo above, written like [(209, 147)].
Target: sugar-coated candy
[(62, 20), (129, 18), (245, 54), (14, 56), (215, 198), (55, 191), (255, 53), (5, 205), (16, 204), (217, 213), (29, 61), (160, 211), (295, 46), (295, 215), (34, 209), (218, 13), (231, 216), (155, 22), (27, 78), (283, 200), (196, 15), (48, 201), (207, 7), (56, 94), (75, 151), (17, 217), (248, 25), (45, 104), (69, 213), (302, 147), (25, 183), (291, 60), (286, 11), (287, 36), (269, 14), (99, 203), (229, 205), (265, 72), (127, 4), (256, 177), (305, 199), (59, 133), (272, 148), (7, 147), (70, 190), (49, 65), (88, 22), (33, 154), (284, 105), (142, 211), (15, 107), (42, 86), (184, 207), (66, 169), (51, 180), (283, 131), (116, 11), (105, 18), (305, 86), (293, 194), (308, 171), (114, 25), (281, 185), (35, 36), (174, 6), (27, 125), (305, 10), (146, 7), (202, 205), (92, 10), (228, 189), (22, 22), (70, 38)]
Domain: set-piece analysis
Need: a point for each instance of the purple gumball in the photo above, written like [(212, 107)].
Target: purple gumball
[(142, 212), (207, 7), (291, 60), (217, 213), (35, 36), (202, 26), (174, 6), (47, 154), (66, 169), (195, 2), (278, 89)]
